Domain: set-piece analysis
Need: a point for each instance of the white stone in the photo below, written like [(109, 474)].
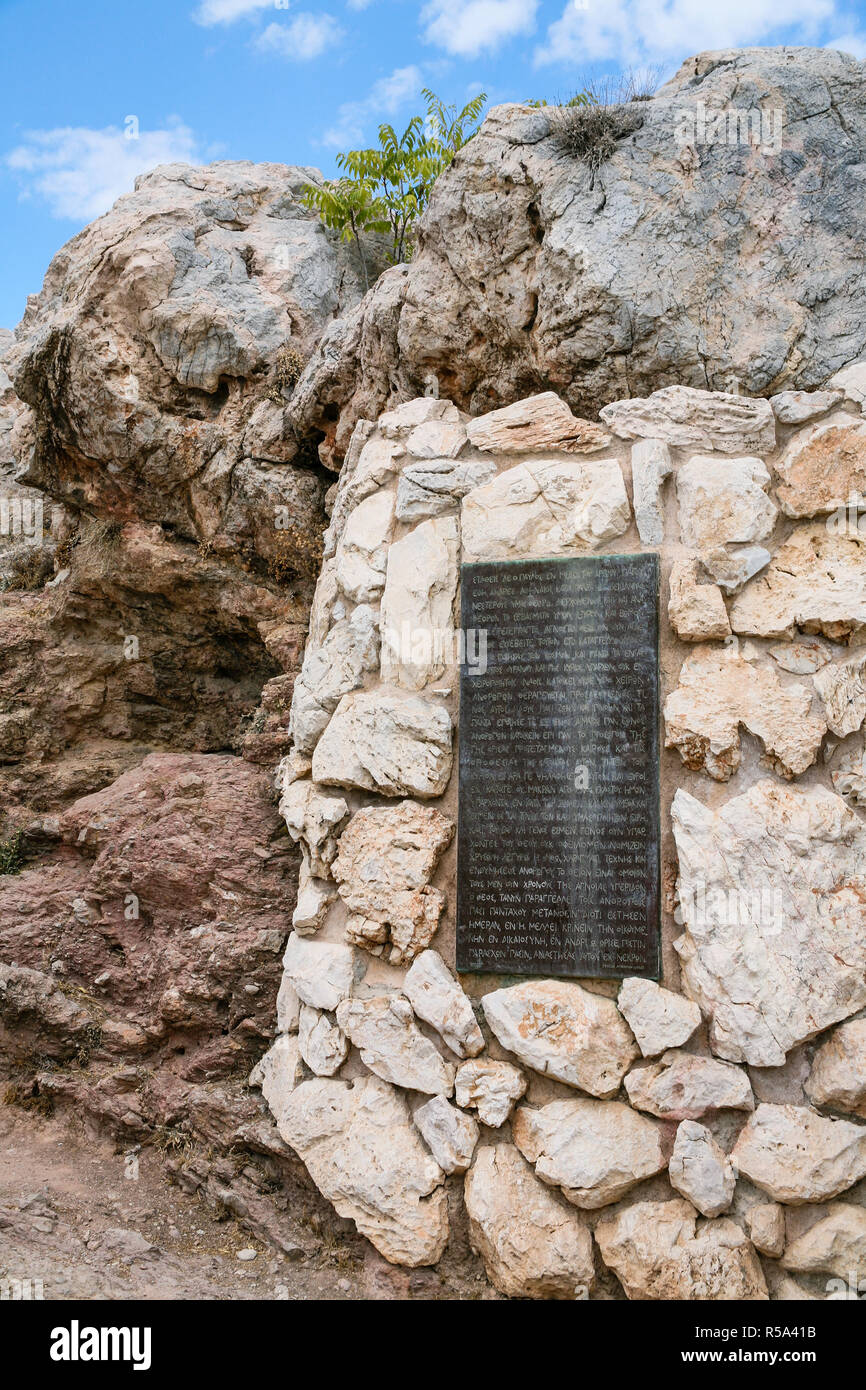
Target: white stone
[(437, 439), (696, 611), (324, 1047), (439, 999), (490, 1087), (658, 1018), (279, 1073), (658, 1254), (392, 1046), (388, 855), (532, 1244), (816, 581), (732, 566), (849, 775), (773, 897), (691, 419), (322, 972), (650, 465), (388, 744), (724, 500), (700, 1170), (838, 1075), (836, 1244), (852, 381), (330, 671), (685, 1086), (417, 620), (365, 1156), (563, 1031), (288, 1006), (408, 416), (545, 506), (842, 687), (362, 551), (721, 688), (316, 819), (315, 896), (535, 424), (436, 486), (796, 1155), (803, 657), (595, 1150), (794, 407), (765, 1223), (450, 1135)]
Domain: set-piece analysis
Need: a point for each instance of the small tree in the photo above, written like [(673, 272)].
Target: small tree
[(385, 190)]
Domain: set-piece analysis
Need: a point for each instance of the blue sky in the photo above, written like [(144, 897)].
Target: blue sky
[(295, 82)]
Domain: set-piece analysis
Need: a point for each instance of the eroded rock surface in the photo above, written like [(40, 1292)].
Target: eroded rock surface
[(596, 1151), (563, 1031), (796, 1155), (772, 898)]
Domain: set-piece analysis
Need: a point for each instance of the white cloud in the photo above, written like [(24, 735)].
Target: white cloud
[(80, 172), (306, 37), (384, 99), (470, 27), (635, 31), (358, 4), (227, 11), (855, 44)]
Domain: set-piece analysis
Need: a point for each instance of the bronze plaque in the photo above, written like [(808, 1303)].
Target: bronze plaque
[(558, 848)]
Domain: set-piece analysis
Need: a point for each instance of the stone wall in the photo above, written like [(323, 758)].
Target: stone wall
[(697, 1138)]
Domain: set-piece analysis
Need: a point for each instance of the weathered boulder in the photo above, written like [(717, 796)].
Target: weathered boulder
[(532, 1245), (795, 407), (658, 1018), (595, 1150), (439, 999), (535, 425), (527, 278), (773, 900), (323, 1045), (723, 501), (365, 1155), (849, 774), (842, 687), (650, 465), (392, 1045), (545, 506), (684, 1086), (417, 618), (382, 743), (816, 581), (329, 672), (700, 1170), (838, 1075), (315, 819), (146, 408), (720, 689), (322, 973), (836, 1244), (765, 1223), (696, 611), (450, 1135), (387, 856), (563, 1031), (657, 1252), (796, 1155), (490, 1087)]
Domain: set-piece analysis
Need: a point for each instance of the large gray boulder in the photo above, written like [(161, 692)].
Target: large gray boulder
[(678, 261)]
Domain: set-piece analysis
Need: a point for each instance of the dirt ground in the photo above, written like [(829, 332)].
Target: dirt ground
[(81, 1221)]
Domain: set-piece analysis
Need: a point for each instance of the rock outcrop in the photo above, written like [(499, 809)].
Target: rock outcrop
[(532, 272)]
